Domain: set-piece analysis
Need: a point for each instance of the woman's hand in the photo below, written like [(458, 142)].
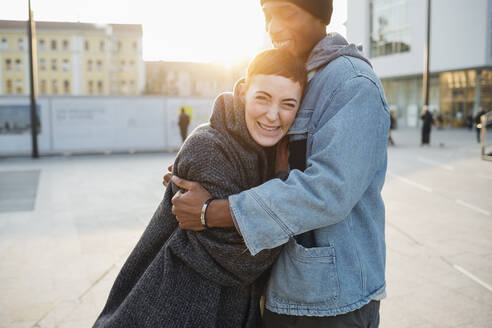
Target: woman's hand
[(167, 177), (282, 156)]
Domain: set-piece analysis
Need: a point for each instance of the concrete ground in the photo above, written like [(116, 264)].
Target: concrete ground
[(68, 223)]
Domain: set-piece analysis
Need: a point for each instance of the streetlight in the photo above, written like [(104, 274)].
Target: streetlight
[(33, 81)]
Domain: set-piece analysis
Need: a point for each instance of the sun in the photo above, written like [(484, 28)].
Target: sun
[(217, 31)]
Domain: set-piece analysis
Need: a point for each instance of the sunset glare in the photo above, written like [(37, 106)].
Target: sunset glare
[(222, 31)]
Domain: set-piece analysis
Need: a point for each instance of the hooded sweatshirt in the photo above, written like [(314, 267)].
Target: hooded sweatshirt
[(329, 48)]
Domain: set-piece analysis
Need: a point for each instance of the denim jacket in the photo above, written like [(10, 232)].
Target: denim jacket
[(345, 119)]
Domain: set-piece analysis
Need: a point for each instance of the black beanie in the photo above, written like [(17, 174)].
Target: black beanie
[(321, 9)]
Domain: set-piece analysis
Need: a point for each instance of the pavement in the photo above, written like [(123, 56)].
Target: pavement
[(67, 224)]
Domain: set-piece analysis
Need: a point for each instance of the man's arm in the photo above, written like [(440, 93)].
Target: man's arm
[(188, 205), (347, 151)]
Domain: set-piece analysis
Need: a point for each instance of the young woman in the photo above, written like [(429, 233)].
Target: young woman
[(178, 278)]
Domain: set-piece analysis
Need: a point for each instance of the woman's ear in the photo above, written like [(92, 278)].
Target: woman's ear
[(241, 90)]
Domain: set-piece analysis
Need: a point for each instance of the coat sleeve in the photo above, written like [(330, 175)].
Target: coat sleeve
[(218, 253), (347, 151)]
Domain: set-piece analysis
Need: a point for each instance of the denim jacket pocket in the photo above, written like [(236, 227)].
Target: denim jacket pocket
[(309, 275)]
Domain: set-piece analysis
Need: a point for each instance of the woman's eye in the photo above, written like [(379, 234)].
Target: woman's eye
[(289, 105), (261, 98)]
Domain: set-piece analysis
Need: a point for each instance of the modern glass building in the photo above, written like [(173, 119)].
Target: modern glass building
[(393, 35)]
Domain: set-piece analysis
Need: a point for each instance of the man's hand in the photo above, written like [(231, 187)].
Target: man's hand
[(187, 206), (167, 177)]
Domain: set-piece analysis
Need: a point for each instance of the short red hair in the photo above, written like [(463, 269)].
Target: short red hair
[(277, 62)]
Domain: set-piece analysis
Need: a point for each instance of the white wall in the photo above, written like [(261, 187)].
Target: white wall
[(488, 36), (99, 124), (459, 36), (358, 23), (1, 72)]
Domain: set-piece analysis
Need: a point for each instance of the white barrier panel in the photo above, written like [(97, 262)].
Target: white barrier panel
[(15, 135), (98, 124), (108, 124)]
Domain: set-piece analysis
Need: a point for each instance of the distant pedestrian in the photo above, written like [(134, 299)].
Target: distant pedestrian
[(469, 121), (392, 127), (477, 122), (440, 121), (428, 120), (184, 122)]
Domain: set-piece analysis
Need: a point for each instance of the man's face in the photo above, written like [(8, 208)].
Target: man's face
[(291, 27)]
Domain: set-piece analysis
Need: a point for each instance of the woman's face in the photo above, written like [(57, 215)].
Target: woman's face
[(271, 103)]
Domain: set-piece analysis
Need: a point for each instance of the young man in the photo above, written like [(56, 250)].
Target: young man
[(328, 212)]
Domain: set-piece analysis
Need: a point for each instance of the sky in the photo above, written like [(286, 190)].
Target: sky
[(223, 31)]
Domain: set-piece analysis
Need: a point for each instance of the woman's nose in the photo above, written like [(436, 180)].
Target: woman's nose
[(272, 114)]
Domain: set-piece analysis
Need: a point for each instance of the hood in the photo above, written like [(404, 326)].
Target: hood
[(331, 47)]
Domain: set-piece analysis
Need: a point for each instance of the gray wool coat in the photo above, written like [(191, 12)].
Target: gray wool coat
[(178, 278)]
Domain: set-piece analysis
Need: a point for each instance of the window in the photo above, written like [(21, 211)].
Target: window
[(132, 63), (42, 87), (123, 87), (86, 45), (18, 65), (53, 65), (89, 65), (120, 46), (390, 27), (132, 86), (65, 45), (101, 46), (9, 86), (99, 65), (53, 44), (99, 87), (90, 87), (65, 65), (123, 65), (41, 45), (8, 64), (66, 87), (54, 87), (18, 86), (20, 44), (42, 64), (4, 44), (134, 45)]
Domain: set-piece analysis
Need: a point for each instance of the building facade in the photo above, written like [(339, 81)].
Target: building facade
[(394, 35), (189, 79), (73, 58)]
